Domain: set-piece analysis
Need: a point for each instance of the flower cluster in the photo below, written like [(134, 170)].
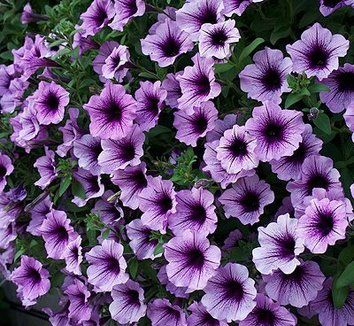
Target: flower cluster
[(154, 170)]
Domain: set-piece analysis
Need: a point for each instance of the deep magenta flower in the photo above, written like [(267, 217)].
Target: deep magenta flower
[(195, 211), (323, 223), (124, 11), (32, 280), (278, 132), (179, 292), (280, 245), (38, 214), (265, 80), (215, 39), (268, 313), (157, 202), (162, 313), (171, 85), (197, 83), (192, 261), (318, 52), (112, 112), (246, 199), (131, 181), (107, 266), (73, 256), (128, 303), (49, 101), (6, 168), (141, 242), (230, 294), (191, 127), (341, 90), (98, 15), (87, 149), (168, 42), (221, 125), (57, 233), (297, 288), (194, 14), (200, 316), (150, 99), (117, 154)]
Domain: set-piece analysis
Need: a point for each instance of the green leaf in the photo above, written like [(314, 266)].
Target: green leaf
[(133, 267), (105, 233), (279, 33), (77, 189), (323, 123), (223, 67), (339, 295), (250, 48), (64, 185), (293, 98), (158, 249), (346, 256), (317, 88), (148, 75), (347, 276)]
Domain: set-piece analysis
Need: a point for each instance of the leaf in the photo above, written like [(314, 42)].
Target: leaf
[(250, 48), (64, 185), (323, 123), (279, 33), (77, 189), (347, 276), (339, 295), (317, 88), (223, 67), (133, 267), (158, 249), (292, 99), (148, 75), (105, 233)]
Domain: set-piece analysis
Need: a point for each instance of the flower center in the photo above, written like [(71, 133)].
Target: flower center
[(288, 247), (299, 154), (113, 264), (171, 47), (265, 317), (133, 297), (132, 7), (52, 102), (114, 112), (325, 222), (62, 233), (200, 124), (331, 3), (140, 179), (218, 38), (202, 84), (346, 81), (165, 203), (34, 275), (238, 147), (317, 181), (152, 104), (208, 15), (196, 258), (198, 213), (273, 132), (318, 57), (101, 15), (233, 290), (271, 79), (3, 171), (128, 151), (250, 202)]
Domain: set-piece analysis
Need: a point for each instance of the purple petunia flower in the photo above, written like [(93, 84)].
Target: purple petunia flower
[(169, 13), (117, 154), (289, 167), (131, 181), (46, 168), (14, 96), (49, 101), (28, 16), (341, 90), (195, 211), (265, 80), (57, 233), (162, 313), (91, 184), (110, 61), (97, 16), (124, 11), (80, 309), (6, 168), (194, 14), (71, 132), (328, 314), (215, 39), (38, 213), (217, 172), (318, 52), (157, 202), (280, 245), (192, 261), (150, 99), (201, 317), (32, 280), (297, 288), (230, 294), (197, 84), (268, 313), (236, 6), (191, 127), (236, 150), (349, 118), (73, 256), (108, 210), (168, 42), (232, 239), (84, 43), (171, 85), (323, 224), (179, 292), (128, 303), (327, 7), (316, 172), (107, 266), (246, 199), (221, 125), (140, 240), (278, 132), (87, 149), (6, 76), (112, 112)]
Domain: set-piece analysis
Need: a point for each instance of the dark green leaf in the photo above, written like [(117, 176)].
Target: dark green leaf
[(339, 295), (317, 88), (77, 189), (133, 267), (223, 67), (158, 249), (64, 185), (250, 48), (347, 276), (323, 123)]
